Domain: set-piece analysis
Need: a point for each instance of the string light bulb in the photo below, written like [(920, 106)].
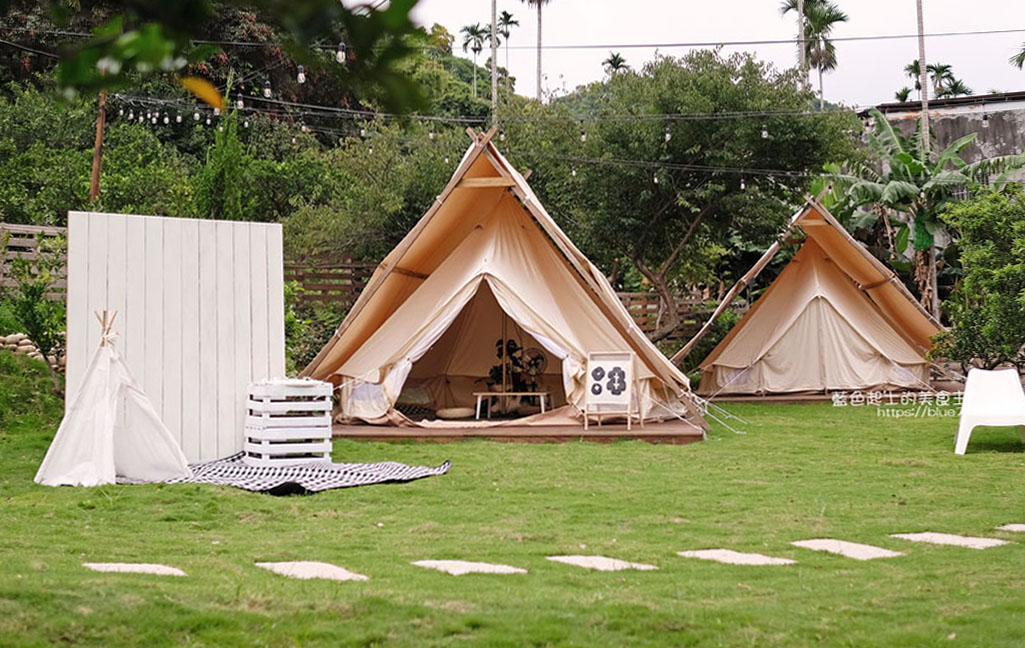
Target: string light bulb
[(573, 172), (245, 124), (131, 115), (266, 89), (300, 76), (583, 135), (217, 112), (446, 159), (153, 119), (743, 187), (765, 132), (669, 135), (430, 134), (501, 135), (178, 118), (239, 103), (985, 120), (121, 113), (141, 118), (207, 121), (370, 149), (167, 120), (654, 178), (195, 115), (362, 131), (340, 52)]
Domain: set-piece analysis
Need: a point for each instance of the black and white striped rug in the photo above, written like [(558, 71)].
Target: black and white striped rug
[(303, 479)]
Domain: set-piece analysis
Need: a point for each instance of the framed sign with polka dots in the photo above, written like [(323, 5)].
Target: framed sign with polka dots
[(610, 386)]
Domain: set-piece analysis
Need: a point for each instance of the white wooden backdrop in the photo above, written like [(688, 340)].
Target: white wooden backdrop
[(200, 315)]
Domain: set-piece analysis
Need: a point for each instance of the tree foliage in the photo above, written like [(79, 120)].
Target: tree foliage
[(987, 308)]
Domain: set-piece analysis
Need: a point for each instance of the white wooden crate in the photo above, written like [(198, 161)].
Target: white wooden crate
[(288, 422)]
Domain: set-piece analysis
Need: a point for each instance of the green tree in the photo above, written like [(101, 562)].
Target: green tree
[(986, 308), (820, 17), (219, 188), (676, 208), (38, 316), (538, 4), (505, 24), (915, 187), (615, 63), (1018, 60), (903, 94), (473, 40), (954, 88)]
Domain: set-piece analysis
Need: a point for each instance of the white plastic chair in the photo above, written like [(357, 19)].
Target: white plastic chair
[(990, 398)]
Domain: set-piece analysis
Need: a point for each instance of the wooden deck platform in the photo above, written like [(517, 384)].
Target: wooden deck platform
[(669, 432)]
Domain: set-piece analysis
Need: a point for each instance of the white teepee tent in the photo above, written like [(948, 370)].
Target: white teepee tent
[(93, 444)]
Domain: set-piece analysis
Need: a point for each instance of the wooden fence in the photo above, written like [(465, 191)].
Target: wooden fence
[(339, 280), (22, 241)]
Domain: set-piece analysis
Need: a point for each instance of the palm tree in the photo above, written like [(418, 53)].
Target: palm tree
[(820, 18), (902, 94), (915, 187), (954, 88), (538, 4), (1018, 60), (505, 24), (942, 74), (615, 63), (473, 40), (914, 71)]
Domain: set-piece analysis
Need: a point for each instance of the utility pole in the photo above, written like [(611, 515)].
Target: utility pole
[(801, 55), (923, 72), (494, 62), (101, 122)]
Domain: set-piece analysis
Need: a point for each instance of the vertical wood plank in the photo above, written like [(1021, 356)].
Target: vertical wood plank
[(228, 438), (115, 274), (243, 327), (192, 343), (133, 320), (258, 305), (97, 290), (171, 397), (152, 376), (275, 301), (207, 287), (78, 348)]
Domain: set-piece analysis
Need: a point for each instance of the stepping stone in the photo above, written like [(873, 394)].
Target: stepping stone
[(731, 557), (601, 563), (135, 568), (950, 539), (306, 569), (854, 550), (1012, 527), (460, 567)]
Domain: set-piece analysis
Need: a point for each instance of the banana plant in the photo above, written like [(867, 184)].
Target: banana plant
[(915, 186)]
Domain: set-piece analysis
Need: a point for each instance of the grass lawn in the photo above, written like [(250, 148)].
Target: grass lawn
[(800, 471)]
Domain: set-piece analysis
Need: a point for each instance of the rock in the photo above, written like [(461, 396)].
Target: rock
[(14, 338)]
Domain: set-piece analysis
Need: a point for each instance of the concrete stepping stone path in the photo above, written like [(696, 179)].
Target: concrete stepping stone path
[(854, 550), (135, 568), (601, 563), (1012, 527), (950, 539), (306, 569), (460, 567), (731, 557)]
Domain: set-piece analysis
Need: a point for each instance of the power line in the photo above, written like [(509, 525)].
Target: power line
[(584, 46)]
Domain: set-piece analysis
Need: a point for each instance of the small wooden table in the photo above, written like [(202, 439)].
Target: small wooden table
[(541, 396)]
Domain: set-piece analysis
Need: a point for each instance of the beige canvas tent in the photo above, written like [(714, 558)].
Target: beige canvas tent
[(486, 263), (836, 318)]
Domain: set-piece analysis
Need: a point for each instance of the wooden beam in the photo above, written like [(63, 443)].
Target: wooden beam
[(469, 183), (409, 273)]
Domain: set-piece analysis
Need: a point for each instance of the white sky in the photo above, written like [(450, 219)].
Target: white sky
[(869, 72)]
